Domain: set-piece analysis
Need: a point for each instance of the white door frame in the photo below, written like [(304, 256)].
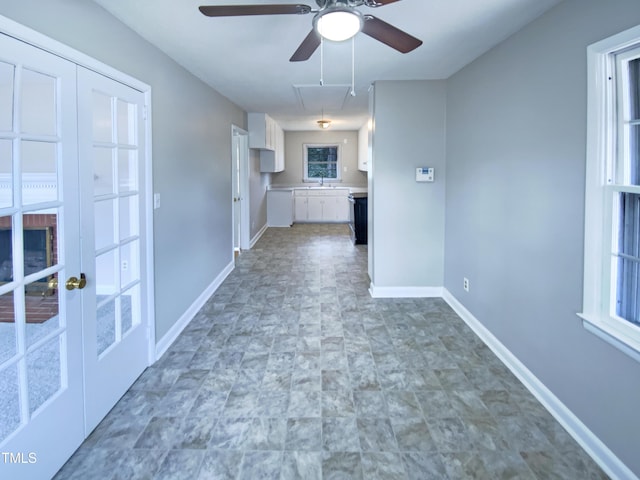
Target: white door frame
[(32, 37), (239, 134)]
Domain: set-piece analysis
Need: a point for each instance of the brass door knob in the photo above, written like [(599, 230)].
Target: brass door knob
[(52, 286), (74, 282)]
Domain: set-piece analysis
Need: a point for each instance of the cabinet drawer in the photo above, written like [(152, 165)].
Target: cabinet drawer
[(330, 192), (321, 192)]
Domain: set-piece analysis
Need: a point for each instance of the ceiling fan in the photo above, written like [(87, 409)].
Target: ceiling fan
[(335, 20)]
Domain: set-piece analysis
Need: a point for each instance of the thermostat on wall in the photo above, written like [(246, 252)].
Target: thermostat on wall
[(424, 174)]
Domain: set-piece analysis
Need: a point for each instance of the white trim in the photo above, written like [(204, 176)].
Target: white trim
[(36, 188), (255, 239), (404, 292), (619, 41), (149, 244), (599, 187), (615, 337), (171, 336), (25, 34), (600, 453)]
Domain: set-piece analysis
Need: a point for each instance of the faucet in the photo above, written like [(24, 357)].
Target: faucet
[(321, 181)]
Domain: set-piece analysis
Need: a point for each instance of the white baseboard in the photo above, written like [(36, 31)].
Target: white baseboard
[(257, 236), (167, 340), (404, 292), (601, 454)]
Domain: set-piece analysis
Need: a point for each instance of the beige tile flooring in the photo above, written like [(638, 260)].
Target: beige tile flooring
[(292, 371)]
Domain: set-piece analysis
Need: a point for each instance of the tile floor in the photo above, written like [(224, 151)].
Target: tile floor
[(292, 371)]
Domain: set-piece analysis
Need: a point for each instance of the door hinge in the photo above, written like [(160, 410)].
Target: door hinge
[(144, 112)]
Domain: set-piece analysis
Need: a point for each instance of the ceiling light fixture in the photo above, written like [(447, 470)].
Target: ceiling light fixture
[(338, 23), (323, 124)]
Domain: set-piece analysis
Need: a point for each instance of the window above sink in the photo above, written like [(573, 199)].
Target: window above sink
[(321, 163)]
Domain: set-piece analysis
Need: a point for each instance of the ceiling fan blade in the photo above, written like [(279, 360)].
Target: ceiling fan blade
[(306, 48), (389, 35), (379, 3), (239, 10)]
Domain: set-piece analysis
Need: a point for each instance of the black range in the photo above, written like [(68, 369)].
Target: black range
[(358, 217)]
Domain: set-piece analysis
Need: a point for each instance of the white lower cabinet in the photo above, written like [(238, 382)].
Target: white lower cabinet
[(342, 209), (315, 208), (279, 208), (300, 210), (330, 205)]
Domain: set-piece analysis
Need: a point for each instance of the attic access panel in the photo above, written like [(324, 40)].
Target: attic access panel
[(317, 98)]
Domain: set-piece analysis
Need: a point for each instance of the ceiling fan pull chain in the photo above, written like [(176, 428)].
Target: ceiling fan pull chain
[(321, 61), (353, 66)]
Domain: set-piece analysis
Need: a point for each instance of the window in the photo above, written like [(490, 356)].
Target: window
[(321, 162), (611, 305)]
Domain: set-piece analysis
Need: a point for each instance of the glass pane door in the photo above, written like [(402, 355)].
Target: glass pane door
[(40, 327), (117, 233), (112, 196)]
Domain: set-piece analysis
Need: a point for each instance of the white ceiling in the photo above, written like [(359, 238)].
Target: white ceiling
[(246, 58)]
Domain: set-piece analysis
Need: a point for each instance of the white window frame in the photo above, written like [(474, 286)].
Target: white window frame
[(306, 148), (603, 139)]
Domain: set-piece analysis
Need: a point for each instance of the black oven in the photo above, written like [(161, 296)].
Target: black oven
[(358, 218)]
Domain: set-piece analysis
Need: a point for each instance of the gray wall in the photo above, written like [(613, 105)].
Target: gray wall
[(407, 241), (294, 156), (191, 147), (516, 121)]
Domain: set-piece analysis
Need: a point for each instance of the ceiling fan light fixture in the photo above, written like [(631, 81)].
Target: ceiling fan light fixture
[(338, 23), (324, 124)]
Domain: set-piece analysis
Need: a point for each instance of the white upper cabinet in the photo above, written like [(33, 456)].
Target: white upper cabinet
[(267, 136), (363, 148), (279, 156), (262, 131)]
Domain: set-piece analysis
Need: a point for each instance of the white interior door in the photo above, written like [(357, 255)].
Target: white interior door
[(237, 190), (240, 179), (40, 324), (112, 146)]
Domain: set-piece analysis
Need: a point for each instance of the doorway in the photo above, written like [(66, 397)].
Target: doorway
[(76, 325), (240, 189)]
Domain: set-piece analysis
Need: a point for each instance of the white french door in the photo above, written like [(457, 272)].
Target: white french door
[(41, 373), (73, 273), (112, 144)]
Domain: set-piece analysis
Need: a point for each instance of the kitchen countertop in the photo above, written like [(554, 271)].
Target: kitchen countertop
[(317, 187)]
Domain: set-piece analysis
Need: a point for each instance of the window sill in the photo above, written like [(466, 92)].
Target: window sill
[(602, 329)]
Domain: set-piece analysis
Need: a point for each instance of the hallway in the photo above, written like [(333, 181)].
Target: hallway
[(292, 371)]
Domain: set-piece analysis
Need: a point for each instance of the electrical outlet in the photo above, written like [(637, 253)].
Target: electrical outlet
[(465, 284), (125, 265)]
